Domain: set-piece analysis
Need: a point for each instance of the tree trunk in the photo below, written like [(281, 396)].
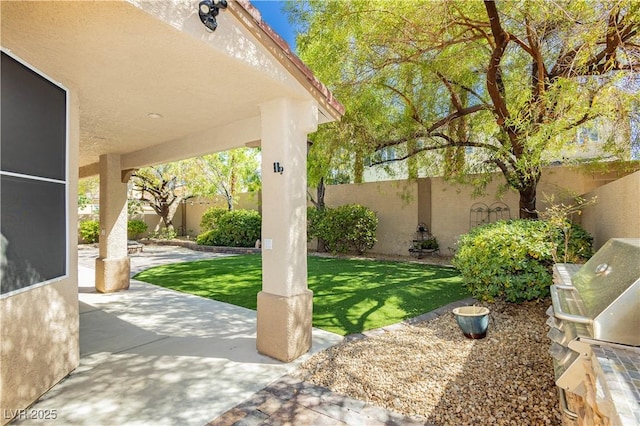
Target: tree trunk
[(528, 201), (358, 168), (320, 189)]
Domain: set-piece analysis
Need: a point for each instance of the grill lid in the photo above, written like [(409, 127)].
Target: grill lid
[(609, 275), (602, 299)]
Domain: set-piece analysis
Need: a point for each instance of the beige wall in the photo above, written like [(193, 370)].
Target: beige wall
[(394, 202), (40, 330), (452, 203), (445, 207), (196, 207), (616, 213), (450, 209), (193, 211)]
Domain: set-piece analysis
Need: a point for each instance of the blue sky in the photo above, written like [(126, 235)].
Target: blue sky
[(272, 14)]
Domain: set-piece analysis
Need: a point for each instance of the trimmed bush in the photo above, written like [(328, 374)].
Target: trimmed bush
[(90, 231), (164, 234), (136, 227), (206, 238), (512, 260), (351, 227), (314, 220), (234, 228), (210, 218)]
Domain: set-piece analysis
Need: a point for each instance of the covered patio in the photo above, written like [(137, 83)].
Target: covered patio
[(156, 356), (147, 83)]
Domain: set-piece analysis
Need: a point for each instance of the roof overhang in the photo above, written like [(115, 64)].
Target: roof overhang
[(149, 75)]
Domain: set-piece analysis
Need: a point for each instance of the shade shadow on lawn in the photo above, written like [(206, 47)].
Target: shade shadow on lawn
[(349, 296)]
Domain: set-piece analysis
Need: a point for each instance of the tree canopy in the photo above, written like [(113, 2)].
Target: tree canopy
[(225, 173), (160, 188), (486, 85), (165, 186)]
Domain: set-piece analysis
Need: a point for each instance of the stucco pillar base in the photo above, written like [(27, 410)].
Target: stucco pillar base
[(112, 274), (284, 325)]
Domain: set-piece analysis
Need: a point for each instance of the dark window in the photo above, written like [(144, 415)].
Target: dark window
[(33, 182), (33, 122)]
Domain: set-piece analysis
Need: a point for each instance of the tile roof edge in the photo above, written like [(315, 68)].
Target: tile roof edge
[(284, 47)]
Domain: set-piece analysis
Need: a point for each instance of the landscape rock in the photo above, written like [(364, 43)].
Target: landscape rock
[(430, 369)]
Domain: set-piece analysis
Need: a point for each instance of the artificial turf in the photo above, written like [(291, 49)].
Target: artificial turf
[(349, 296)]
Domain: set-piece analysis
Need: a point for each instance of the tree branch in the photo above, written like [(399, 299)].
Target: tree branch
[(428, 132), (416, 114), (617, 35), (450, 143), (495, 85)]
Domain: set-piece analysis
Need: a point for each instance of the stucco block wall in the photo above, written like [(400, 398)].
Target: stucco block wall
[(616, 213), (196, 207), (444, 207), (451, 204), (39, 336), (450, 209), (395, 204)]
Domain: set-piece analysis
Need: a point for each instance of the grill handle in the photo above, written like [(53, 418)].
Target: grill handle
[(564, 406), (560, 314), (565, 287)]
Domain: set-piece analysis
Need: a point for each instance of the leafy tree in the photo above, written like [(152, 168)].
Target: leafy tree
[(481, 86), (160, 188), (88, 190), (226, 174), (325, 165)]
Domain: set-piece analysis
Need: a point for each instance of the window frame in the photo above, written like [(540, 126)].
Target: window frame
[(65, 182)]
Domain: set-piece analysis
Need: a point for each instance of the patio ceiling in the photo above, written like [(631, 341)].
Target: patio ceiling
[(128, 62)]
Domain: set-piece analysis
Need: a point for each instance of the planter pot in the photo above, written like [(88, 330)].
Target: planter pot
[(473, 321)]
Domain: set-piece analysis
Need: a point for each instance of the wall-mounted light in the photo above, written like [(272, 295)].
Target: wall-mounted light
[(208, 10)]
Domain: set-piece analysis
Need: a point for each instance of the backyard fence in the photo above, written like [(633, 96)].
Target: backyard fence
[(450, 210)]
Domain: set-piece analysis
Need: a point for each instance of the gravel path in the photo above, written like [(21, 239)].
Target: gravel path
[(431, 370)]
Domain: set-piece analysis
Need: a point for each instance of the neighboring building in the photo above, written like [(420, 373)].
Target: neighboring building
[(105, 88)]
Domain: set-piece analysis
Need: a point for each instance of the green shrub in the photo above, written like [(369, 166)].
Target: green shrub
[(351, 227), (90, 231), (136, 227), (164, 234), (234, 228), (430, 243), (512, 260), (207, 238), (314, 220), (210, 218)]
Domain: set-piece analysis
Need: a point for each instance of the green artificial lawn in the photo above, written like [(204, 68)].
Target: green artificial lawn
[(349, 296)]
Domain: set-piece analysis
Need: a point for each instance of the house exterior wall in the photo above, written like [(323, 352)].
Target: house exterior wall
[(616, 213), (39, 337)]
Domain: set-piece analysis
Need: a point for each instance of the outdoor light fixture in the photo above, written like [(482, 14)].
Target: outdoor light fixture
[(208, 10)]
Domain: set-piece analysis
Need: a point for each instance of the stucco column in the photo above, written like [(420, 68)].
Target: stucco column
[(112, 266), (285, 303)]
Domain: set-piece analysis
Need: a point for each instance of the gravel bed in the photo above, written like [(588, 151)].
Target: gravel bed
[(430, 369)]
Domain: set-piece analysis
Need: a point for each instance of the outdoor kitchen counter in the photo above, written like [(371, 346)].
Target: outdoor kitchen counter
[(617, 372)]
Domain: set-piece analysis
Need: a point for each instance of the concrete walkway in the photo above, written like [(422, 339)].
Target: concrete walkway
[(152, 356)]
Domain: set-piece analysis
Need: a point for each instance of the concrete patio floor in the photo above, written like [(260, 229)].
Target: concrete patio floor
[(152, 356)]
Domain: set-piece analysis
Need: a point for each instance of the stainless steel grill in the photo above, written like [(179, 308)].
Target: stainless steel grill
[(593, 303)]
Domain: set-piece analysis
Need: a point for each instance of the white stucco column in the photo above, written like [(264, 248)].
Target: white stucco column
[(285, 303), (112, 265)]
